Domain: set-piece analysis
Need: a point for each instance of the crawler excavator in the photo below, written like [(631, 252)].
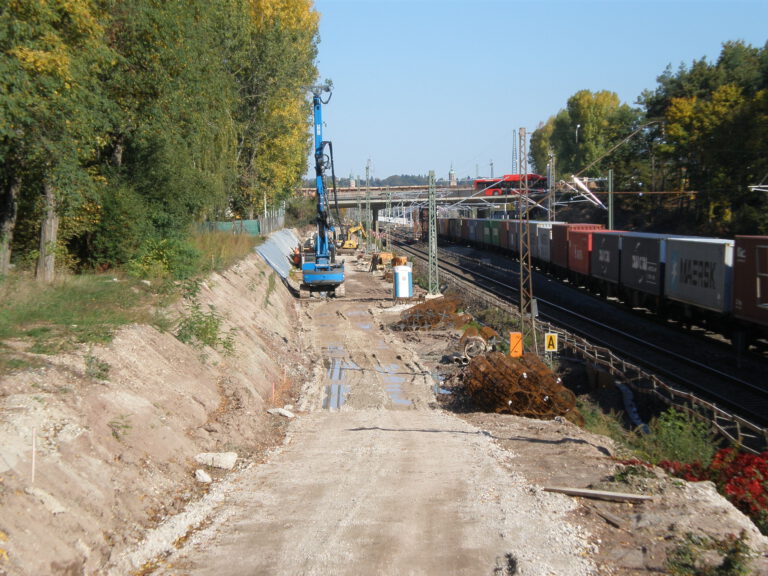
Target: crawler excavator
[(350, 240), (320, 270)]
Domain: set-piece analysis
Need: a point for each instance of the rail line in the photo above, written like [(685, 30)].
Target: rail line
[(653, 360)]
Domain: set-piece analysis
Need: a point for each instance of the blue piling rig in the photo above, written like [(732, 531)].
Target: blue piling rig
[(321, 272)]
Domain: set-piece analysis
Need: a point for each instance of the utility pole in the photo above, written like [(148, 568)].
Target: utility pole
[(528, 308), (610, 199), (551, 185), (389, 213), (368, 218), (434, 285)]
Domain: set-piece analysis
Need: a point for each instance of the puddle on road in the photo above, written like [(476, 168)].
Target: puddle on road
[(337, 364), (336, 392), (393, 383)]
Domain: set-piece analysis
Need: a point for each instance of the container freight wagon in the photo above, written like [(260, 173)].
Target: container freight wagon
[(750, 283), (721, 284)]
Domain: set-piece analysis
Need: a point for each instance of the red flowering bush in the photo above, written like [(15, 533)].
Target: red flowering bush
[(741, 477)]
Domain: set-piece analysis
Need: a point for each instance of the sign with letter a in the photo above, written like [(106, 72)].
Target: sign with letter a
[(550, 342)]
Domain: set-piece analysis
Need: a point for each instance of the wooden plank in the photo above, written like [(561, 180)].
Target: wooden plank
[(612, 519), (599, 494)]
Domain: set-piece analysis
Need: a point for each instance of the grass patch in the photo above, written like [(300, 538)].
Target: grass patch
[(220, 250), (71, 311), (89, 308)]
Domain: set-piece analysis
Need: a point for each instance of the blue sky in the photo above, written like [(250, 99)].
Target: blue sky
[(424, 85)]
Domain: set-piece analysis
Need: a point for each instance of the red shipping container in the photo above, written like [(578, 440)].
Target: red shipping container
[(750, 279), (579, 251), (558, 254)]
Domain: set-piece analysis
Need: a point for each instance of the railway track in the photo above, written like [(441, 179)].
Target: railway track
[(690, 364)]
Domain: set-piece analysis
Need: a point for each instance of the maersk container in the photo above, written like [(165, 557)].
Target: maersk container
[(643, 255), (579, 250), (699, 271), (605, 259), (750, 279)]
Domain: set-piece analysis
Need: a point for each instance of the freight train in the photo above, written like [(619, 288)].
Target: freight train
[(719, 284)]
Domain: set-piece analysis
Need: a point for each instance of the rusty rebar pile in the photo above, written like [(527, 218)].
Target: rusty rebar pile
[(435, 313), (523, 386)]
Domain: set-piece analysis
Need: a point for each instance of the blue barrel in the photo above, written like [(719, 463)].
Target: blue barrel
[(403, 281)]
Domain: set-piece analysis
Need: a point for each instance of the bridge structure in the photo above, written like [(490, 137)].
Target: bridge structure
[(395, 203)]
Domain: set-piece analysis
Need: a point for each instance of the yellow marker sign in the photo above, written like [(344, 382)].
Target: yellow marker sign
[(515, 344), (550, 342)]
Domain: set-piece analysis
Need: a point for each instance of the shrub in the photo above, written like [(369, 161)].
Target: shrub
[(677, 436)]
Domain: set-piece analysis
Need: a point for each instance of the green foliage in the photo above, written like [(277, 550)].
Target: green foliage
[(673, 435), (146, 117), (597, 421), (677, 436), (163, 259), (201, 328), (707, 135), (300, 211)]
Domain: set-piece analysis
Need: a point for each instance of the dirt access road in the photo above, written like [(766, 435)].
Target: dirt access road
[(374, 480)]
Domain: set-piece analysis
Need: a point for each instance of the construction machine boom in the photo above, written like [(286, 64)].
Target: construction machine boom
[(320, 270)]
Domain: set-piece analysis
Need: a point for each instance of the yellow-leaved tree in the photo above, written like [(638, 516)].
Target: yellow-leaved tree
[(275, 114)]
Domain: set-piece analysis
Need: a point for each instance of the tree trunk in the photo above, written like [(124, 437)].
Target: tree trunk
[(49, 232), (8, 208)]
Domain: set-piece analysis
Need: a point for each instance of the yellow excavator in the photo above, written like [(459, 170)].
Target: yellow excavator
[(351, 239)]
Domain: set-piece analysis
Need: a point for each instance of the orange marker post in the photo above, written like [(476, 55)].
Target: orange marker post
[(515, 344)]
